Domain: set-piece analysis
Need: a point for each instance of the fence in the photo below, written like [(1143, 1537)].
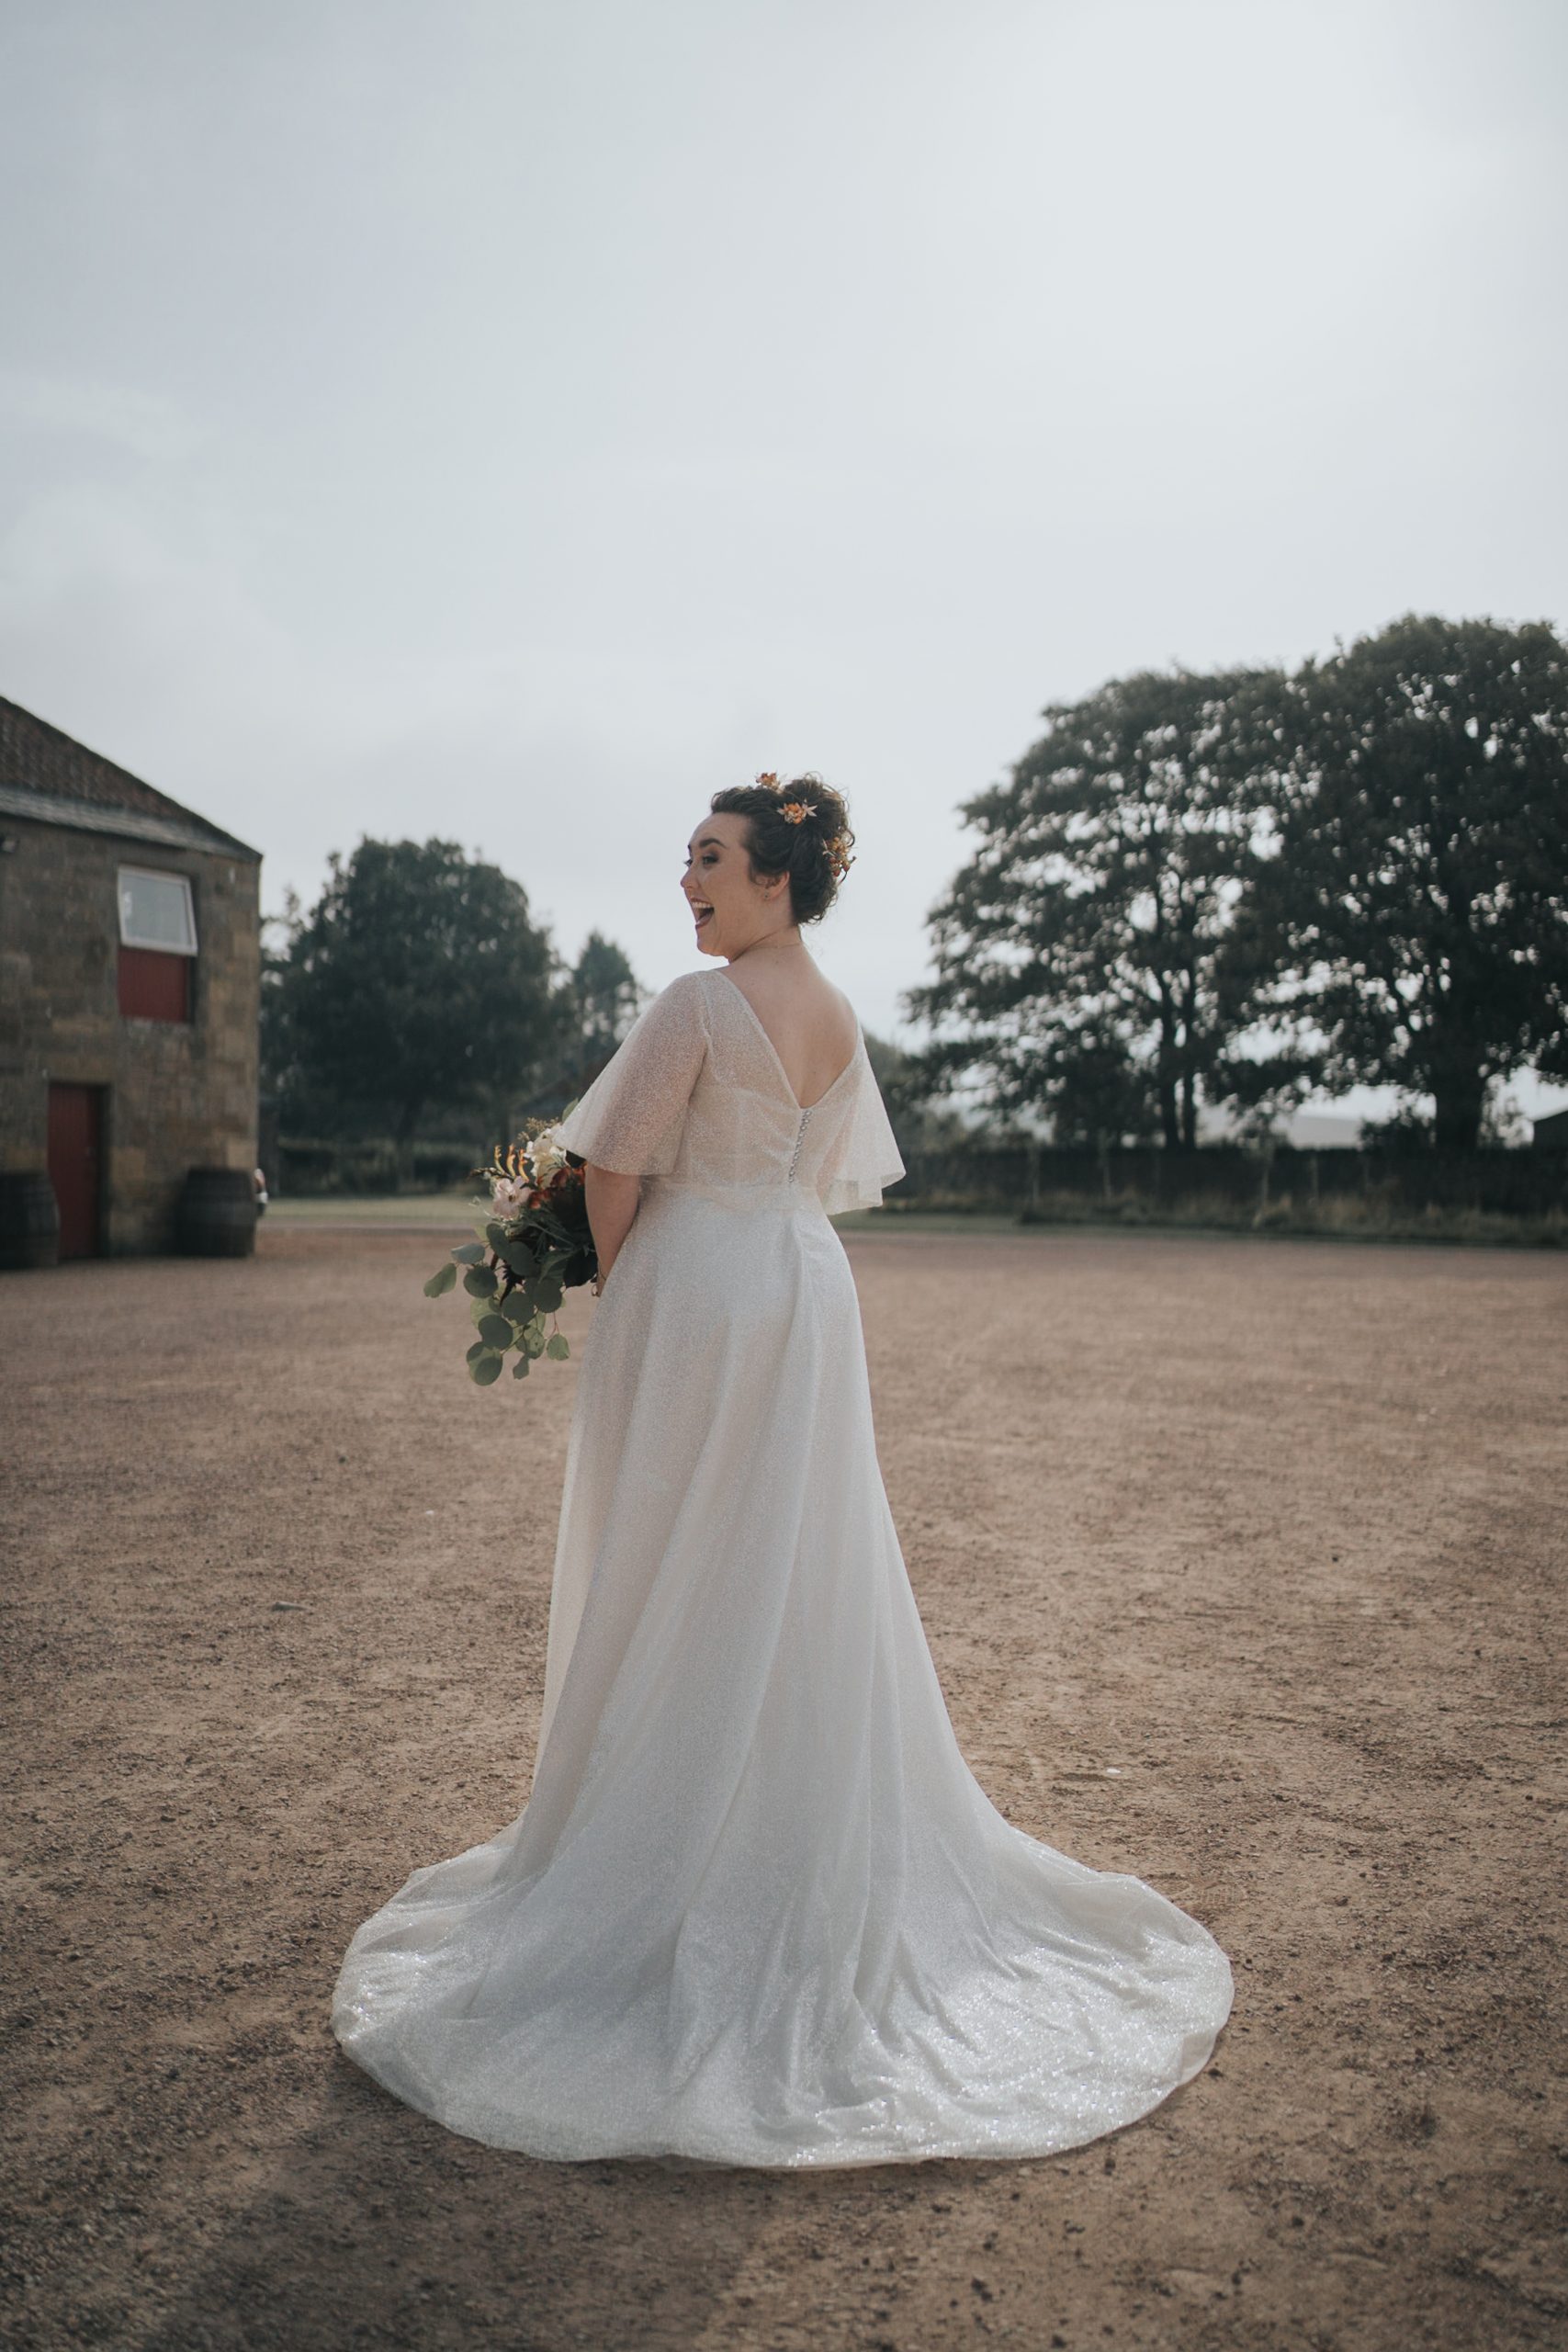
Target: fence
[(1236, 1185), (1221, 1183)]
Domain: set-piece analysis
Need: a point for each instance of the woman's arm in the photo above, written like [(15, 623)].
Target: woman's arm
[(612, 1204)]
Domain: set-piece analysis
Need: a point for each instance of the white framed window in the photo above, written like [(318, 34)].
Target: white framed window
[(156, 911)]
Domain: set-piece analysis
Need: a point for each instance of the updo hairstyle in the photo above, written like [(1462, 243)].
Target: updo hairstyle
[(813, 849)]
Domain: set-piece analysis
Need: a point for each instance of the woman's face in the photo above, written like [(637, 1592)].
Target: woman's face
[(729, 908)]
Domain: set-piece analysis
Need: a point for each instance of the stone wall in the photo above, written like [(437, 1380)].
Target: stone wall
[(179, 1096)]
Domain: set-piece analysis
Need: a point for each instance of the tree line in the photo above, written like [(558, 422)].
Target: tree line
[(420, 993), (1240, 889), (1228, 890)]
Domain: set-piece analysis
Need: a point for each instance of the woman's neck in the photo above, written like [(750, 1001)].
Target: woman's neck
[(773, 942)]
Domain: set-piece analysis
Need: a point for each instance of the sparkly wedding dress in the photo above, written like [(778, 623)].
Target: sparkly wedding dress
[(757, 1909)]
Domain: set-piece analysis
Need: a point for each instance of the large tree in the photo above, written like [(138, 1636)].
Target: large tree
[(418, 979), (920, 1121), (607, 998), (1079, 953), (1411, 929)]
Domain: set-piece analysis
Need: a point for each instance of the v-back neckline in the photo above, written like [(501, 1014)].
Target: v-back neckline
[(801, 1107)]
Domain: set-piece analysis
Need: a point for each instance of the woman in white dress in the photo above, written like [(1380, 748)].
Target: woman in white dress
[(757, 1909)]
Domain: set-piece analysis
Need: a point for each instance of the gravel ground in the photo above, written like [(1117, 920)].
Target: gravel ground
[(1243, 1567)]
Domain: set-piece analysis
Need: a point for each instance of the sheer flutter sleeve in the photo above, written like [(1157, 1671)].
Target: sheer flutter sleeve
[(630, 1118), (864, 1159)]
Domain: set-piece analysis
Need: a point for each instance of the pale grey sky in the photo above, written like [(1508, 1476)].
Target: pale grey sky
[(514, 421)]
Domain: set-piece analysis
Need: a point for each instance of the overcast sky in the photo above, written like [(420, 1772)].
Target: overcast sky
[(514, 421)]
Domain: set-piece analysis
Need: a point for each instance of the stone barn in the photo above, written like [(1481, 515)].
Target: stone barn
[(130, 977)]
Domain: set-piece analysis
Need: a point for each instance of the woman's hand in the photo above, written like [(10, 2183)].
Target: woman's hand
[(611, 1200)]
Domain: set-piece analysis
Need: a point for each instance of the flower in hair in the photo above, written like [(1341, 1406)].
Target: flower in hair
[(769, 780), (795, 810), (839, 856)]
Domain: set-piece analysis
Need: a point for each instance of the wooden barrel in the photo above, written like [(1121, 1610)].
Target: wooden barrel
[(217, 1214), (29, 1220)]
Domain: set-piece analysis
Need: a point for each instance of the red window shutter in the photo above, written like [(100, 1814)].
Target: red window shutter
[(153, 985)]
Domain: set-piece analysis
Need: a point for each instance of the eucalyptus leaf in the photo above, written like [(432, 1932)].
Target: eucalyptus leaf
[(497, 1332), (520, 1257), (530, 1340), (548, 1295), (472, 1253), (479, 1282), (518, 1306), (441, 1283), (485, 1369), (520, 1369), (496, 1235), (557, 1347), (475, 1351)]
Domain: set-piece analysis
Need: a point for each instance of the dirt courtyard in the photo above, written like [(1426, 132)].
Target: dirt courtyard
[(1243, 1567)]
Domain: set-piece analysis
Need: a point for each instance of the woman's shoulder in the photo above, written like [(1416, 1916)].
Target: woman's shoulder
[(684, 994), (847, 1009), (849, 1019)]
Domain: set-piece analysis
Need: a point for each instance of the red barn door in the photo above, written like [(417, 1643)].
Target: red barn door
[(75, 1165)]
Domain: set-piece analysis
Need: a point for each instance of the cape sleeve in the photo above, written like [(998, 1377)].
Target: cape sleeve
[(630, 1118), (863, 1157)]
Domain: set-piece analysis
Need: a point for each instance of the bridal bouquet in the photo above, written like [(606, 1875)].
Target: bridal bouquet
[(536, 1246)]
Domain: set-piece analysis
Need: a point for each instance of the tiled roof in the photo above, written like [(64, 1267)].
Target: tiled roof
[(40, 765)]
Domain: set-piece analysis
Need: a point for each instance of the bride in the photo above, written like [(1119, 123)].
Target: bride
[(757, 1909)]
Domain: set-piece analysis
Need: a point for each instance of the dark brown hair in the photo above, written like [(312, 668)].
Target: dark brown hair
[(799, 847)]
